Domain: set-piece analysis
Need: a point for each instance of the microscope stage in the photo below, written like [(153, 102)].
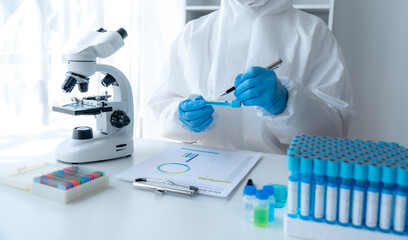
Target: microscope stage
[(81, 109)]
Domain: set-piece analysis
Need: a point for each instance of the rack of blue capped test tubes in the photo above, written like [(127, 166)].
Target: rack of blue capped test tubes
[(349, 183)]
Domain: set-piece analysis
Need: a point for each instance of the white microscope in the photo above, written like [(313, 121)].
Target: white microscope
[(114, 118)]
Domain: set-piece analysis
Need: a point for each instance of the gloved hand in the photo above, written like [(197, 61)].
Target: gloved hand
[(195, 113), (260, 87)]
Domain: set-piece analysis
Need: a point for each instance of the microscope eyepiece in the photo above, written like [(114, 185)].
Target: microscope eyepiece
[(68, 84), (122, 33)]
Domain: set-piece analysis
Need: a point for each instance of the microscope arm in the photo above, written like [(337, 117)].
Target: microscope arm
[(122, 94)]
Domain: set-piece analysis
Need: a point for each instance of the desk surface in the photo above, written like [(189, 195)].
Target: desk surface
[(123, 212)]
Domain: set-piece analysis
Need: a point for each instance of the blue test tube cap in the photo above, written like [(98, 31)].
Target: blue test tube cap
[(389, 174), (346, 169), (332, 168), (294, 163), (250, 190), (270, 190), (293, 150), (381, 143), (375, 159), (402, 176), (360, 171), (235, 103), (306, 164), (394, 144), (374, 172), (319, 165), (296, 138), (261, 194)]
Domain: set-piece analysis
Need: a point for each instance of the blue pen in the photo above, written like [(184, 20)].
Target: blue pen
[(273, 66)]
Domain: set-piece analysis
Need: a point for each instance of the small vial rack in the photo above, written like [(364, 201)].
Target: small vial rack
[(343, 187), (68, 183)]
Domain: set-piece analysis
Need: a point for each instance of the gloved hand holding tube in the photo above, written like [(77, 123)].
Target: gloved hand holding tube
[(261, 87), (195, 113)]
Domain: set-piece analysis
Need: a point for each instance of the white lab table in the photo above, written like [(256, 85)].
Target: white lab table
[(121, 211)]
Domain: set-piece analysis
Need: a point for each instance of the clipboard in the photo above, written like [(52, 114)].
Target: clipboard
[(165, 186), (191, 170)]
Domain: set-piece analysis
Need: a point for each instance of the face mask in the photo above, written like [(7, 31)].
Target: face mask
[(244, 3)]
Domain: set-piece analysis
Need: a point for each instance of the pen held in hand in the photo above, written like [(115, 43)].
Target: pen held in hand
[(273, 66)]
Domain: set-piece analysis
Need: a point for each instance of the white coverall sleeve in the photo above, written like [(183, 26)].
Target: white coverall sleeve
[(174, 89), (319, 103)]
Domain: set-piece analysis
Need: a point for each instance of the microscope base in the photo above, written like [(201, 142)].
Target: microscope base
[(99, 148)]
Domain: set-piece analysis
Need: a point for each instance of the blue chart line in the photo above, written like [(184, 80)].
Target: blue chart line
[(195, 150), (192, 157), (173, 168)]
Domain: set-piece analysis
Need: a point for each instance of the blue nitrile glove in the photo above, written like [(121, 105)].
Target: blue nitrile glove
[(260, 87), (195, 113)]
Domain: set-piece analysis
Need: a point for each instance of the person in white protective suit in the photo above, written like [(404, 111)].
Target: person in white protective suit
[(309, 93)]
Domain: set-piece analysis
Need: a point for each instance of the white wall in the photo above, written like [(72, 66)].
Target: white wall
[(373, 35)]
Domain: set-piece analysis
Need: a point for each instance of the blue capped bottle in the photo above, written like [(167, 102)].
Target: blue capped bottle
[(270, 190), (261, 209), (248, 203)]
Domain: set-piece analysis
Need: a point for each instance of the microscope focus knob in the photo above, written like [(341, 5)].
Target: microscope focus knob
[(119, 119), (82, 133)]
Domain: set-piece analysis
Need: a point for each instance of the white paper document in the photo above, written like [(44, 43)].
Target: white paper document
[(213, 172)]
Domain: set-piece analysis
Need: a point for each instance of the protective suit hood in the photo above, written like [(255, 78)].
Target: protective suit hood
[(250, 3), (259, 7)]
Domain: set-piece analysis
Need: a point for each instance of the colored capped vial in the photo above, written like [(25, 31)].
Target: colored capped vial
[(359, 189), (346, 175), (332, 189), (270, 190), (373, 195), (387, 196), (306, 163), (248, 203), (319, 172), (261, 209), (400, 209), (293, 184)]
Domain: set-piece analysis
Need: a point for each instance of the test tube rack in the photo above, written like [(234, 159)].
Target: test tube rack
[(346, 189), (69, 183)]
